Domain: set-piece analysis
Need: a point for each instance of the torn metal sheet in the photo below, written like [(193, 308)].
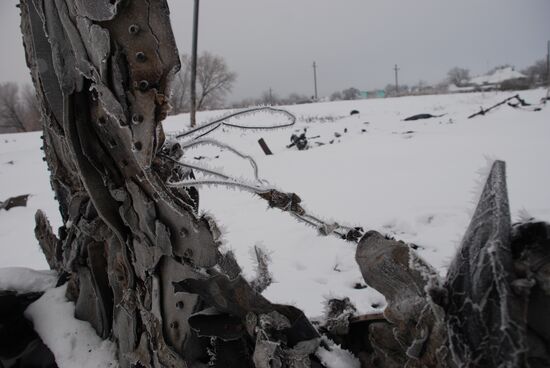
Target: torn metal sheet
[(486, 320), (18, 201)]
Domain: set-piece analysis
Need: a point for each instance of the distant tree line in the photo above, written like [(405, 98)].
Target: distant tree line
[(536, 75), (18, 109), (271, 98), (19, 113)]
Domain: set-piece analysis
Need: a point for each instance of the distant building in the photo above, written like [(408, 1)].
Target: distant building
[(497, 79), (505, 78), (373, 94)]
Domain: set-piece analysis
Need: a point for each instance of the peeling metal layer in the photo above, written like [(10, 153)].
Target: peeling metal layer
[(102, 70), (97, 10)]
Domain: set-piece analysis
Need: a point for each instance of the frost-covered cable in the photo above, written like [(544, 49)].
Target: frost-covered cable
[(196, 167), (303, 219), (208, 182), (208, 131), (213, 142), (322, 222), (222, 121), (323, 227)]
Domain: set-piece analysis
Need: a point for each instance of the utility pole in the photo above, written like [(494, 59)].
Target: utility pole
[(315, 79), (548, 73), (396, 79), (194, 65)]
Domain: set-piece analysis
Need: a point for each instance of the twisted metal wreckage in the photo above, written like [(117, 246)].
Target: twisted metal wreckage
[(144, 268)]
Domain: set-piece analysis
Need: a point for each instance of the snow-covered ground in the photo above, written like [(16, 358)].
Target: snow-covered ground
[(415, 180)]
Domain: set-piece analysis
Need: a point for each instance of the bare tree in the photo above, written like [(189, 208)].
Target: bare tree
[(336, 96), (350, 94), (269, 98), (18, 109), (29, 109), (458, 76), (11, 116), (537, 73), (391, 91), (214, 79), (180, 91), (296, 98)]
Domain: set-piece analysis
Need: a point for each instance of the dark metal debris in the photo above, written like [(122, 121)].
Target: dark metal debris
[(18, 201)]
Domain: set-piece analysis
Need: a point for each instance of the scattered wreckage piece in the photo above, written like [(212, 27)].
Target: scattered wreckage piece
[(422, 116), (411, 330), (497, 287), (264, 147), (281, 336), (102, 72), (300, 141), (17, 201), (483, 111), (489, 311)]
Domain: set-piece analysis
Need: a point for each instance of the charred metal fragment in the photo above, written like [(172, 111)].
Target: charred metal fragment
[(531, 250), (229, 265), (338, 316), (263, 276), (49, 243), (17, 201), (223, 326), (20, 345), (284, 201), (101, 70)]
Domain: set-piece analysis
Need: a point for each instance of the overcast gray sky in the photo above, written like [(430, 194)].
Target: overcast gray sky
[(354, 42)]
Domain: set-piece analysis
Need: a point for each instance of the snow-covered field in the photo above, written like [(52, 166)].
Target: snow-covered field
[(417, 181)]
